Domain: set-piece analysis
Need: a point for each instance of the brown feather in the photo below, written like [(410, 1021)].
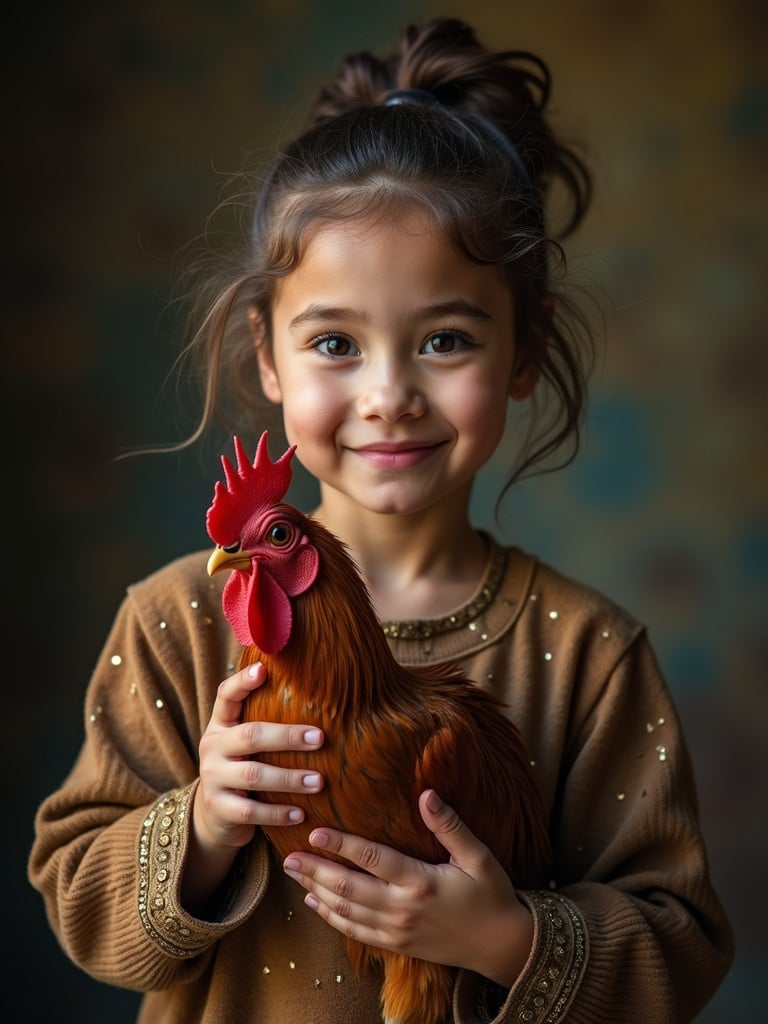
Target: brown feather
[(392, 732)]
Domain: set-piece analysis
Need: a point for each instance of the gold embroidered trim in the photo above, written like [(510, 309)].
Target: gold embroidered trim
[(423, 629), (561, 956), (159, 854)]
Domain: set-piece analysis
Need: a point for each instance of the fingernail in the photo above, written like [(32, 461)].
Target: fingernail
[(312, 736), (292, 864), (434, 803), (253, 670), (310, 781), (318, 839), (295, 815), (311, 901)]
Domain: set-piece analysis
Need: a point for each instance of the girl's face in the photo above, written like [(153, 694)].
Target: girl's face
[(393, 358)]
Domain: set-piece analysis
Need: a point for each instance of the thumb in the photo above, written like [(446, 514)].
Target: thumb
[(448, 828)]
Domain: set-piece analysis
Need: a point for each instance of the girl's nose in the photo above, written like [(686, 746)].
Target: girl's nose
[(389, 393)]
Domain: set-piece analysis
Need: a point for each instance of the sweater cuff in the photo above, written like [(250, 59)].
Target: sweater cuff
[(548, 982), (162, 852)]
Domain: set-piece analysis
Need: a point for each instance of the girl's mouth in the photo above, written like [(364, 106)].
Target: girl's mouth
[(398, 456)]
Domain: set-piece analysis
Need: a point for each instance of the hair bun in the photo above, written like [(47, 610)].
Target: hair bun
[(361, 81), (507, 89)]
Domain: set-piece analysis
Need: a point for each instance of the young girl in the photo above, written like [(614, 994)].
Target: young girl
[(397, 294)]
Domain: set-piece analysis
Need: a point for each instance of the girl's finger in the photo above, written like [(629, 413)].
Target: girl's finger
[(231, 693), (377, 859), (466, 850), (250, 738), (346, 900), (339, 916), (331, 881), (255, 776), (245, 811)]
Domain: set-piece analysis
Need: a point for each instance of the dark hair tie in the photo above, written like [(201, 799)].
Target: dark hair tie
[(396, 96)]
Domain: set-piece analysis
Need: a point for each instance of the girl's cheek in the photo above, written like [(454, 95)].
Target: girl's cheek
[(324, 387), (308, 411), (311, 399)]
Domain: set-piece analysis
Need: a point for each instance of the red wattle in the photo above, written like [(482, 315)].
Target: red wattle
[(268, 611)]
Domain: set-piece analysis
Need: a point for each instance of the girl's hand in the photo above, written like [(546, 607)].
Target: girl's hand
[(224, 814), (463, 913), (224, 809)]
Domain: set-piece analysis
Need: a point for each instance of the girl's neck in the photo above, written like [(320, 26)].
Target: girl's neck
[(421, 565)]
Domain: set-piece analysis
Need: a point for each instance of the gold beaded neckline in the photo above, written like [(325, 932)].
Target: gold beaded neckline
[(423, 629)]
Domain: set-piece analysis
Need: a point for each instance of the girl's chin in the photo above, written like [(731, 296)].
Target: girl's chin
[(401, 501)]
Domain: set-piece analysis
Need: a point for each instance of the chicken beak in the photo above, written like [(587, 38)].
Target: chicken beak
[(221, 559)]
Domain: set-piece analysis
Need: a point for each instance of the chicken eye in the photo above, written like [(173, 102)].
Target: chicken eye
[(280, 534)]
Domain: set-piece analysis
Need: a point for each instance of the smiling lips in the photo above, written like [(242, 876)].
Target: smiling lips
[(398, 456)]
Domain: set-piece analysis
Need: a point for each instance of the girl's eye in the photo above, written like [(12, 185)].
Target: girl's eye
[(280, 534), (444, 343), (336, 345)]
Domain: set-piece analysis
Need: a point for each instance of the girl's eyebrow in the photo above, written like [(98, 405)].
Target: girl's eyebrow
[(315, 313), (454, 307)]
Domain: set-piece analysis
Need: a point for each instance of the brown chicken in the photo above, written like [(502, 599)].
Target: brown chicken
[(297, 603)]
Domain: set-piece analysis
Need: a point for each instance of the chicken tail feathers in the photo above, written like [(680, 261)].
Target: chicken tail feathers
[(413, 991)]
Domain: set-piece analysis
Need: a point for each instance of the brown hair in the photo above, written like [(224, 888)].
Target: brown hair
[(481, 159)]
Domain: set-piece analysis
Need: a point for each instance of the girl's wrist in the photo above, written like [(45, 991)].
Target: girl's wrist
[(511, 941), (206, 866)]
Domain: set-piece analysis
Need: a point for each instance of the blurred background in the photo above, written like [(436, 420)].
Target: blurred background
[(121, 125)]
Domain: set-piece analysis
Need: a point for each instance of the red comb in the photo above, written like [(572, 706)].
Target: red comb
[(248, 489)]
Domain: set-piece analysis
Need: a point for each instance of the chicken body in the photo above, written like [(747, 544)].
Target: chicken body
[(390, 733)]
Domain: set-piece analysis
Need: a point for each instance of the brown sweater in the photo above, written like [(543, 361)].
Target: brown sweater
[(629, 929)]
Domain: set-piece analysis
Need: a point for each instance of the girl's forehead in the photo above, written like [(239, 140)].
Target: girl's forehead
[(369, 262), (408, 225), (405, 224)]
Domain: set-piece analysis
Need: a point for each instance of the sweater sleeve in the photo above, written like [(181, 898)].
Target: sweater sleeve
[(630, 928), (110, 843)]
